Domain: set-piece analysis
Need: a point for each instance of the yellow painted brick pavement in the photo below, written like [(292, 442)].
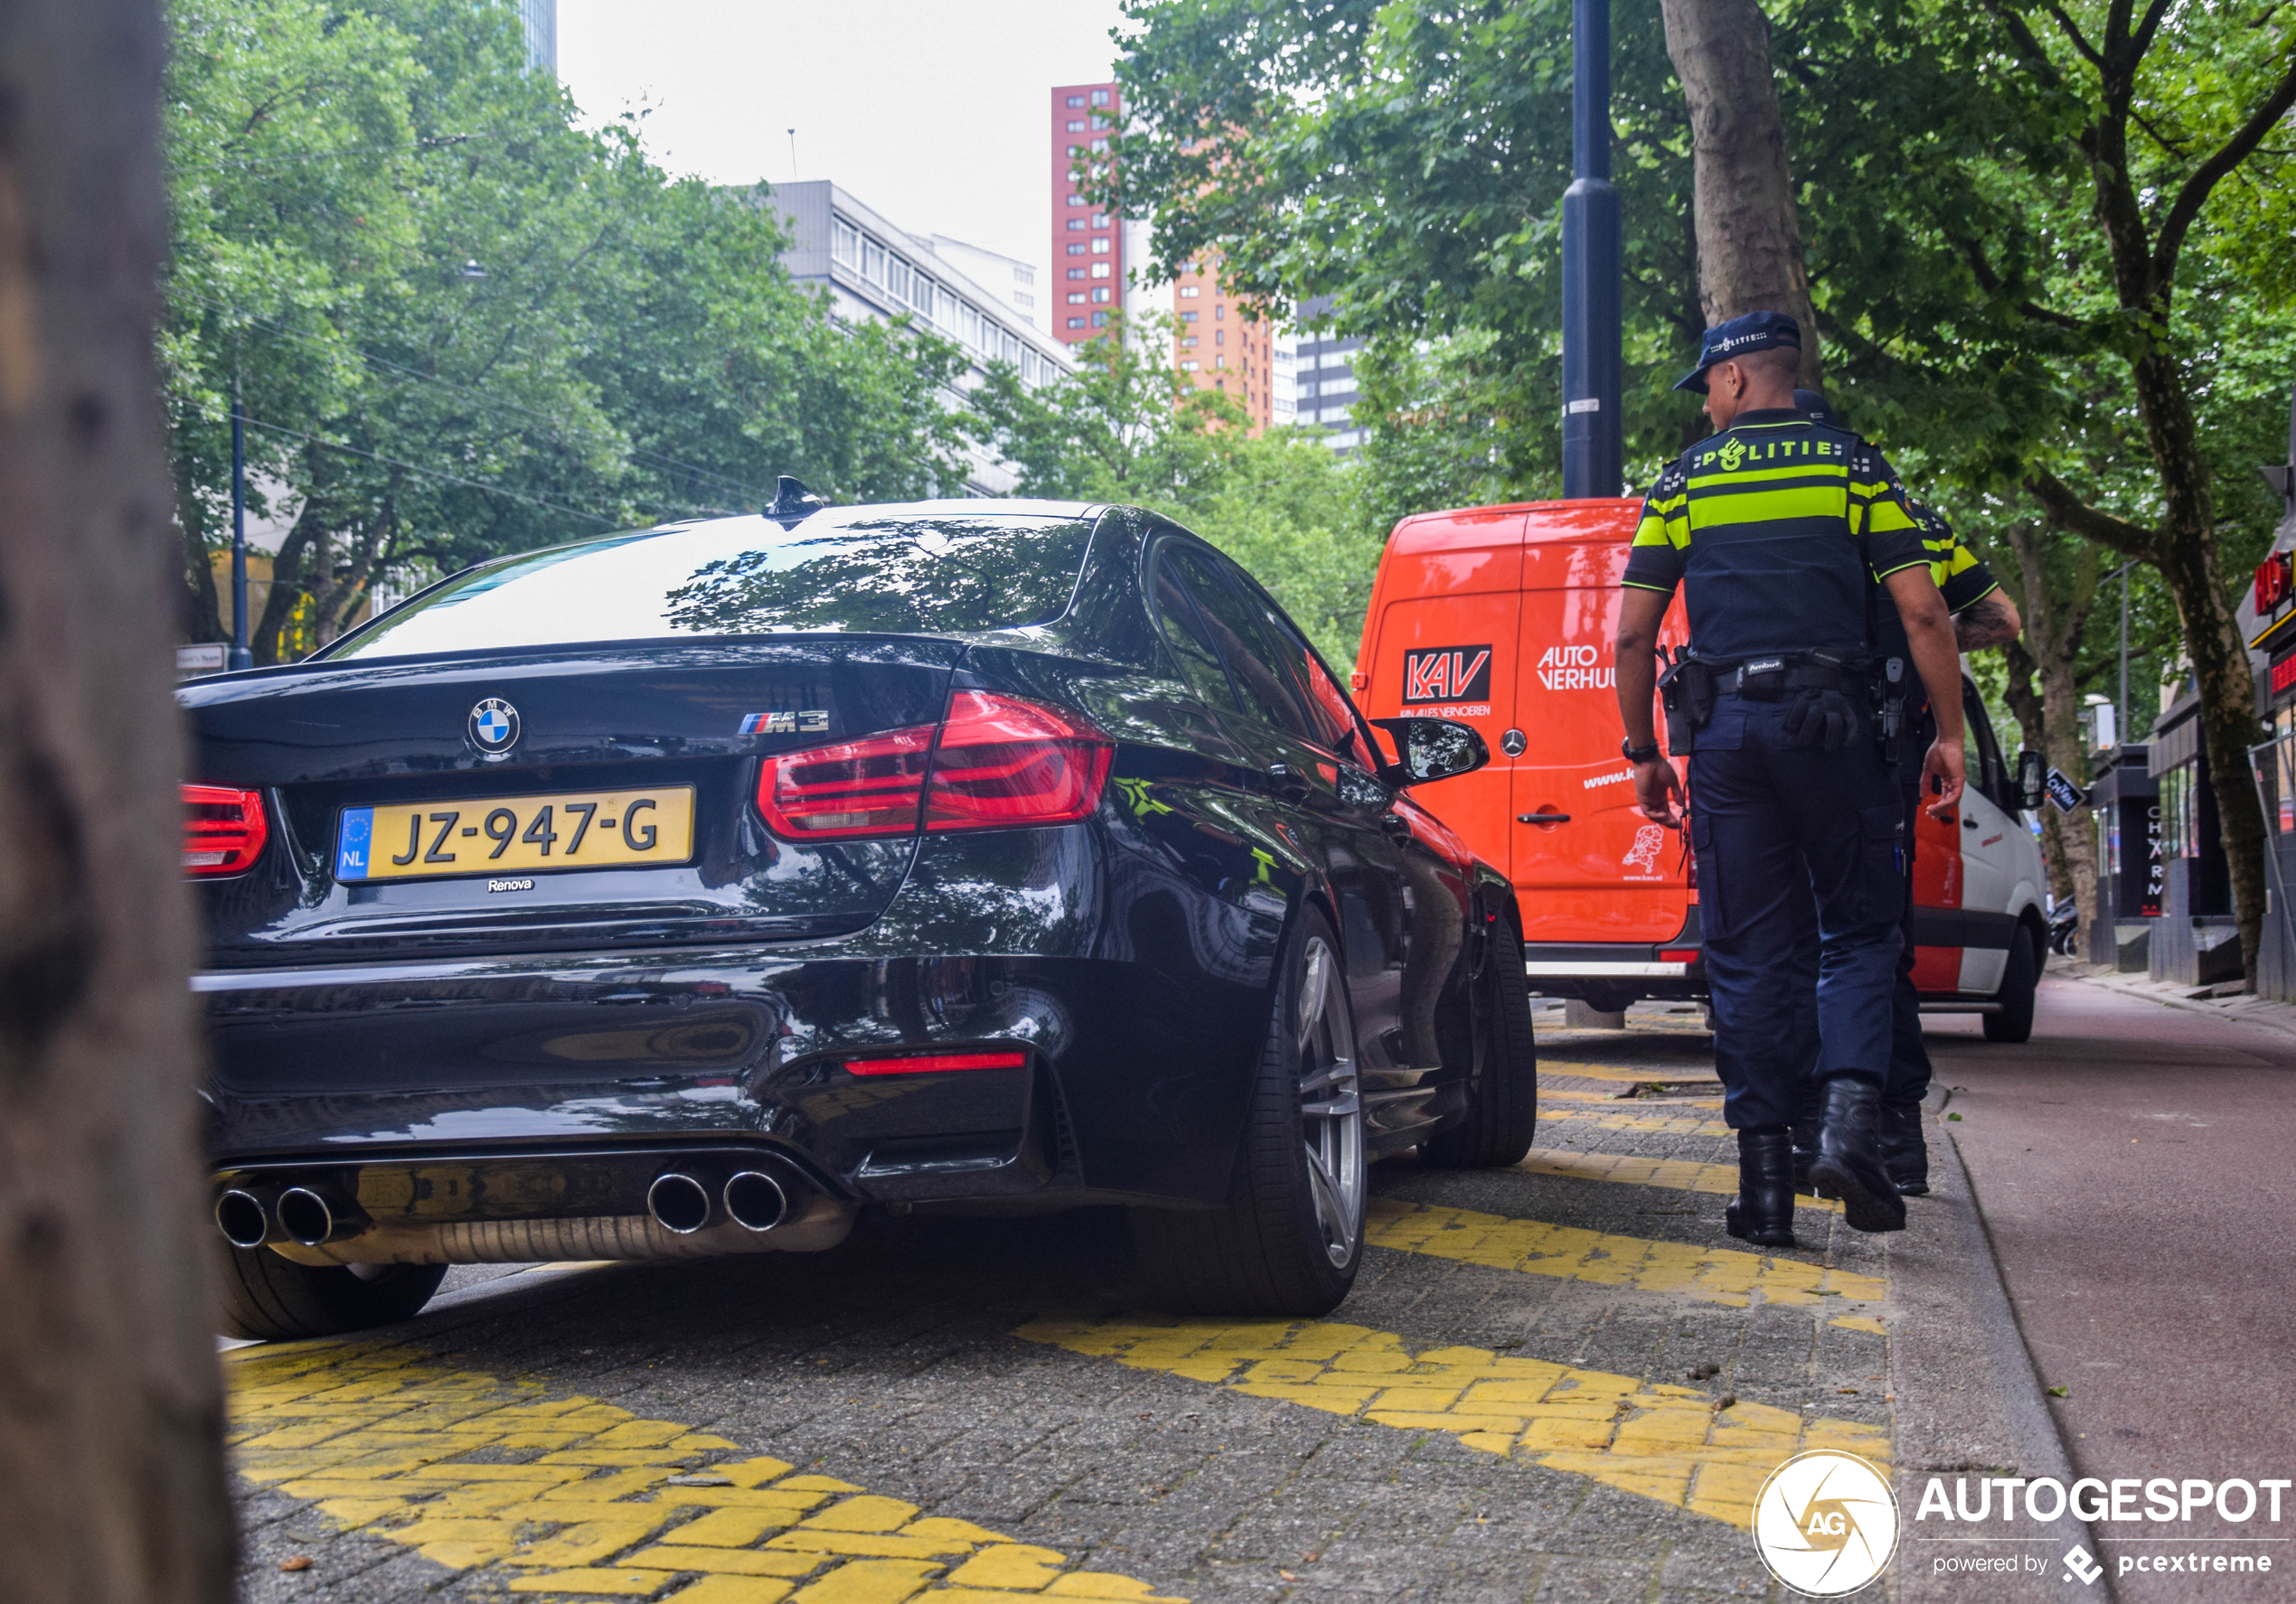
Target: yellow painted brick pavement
[(1626, 1074), (1676, 1124), (1679, 1175), (1532, 1247), (1669, 1443), (571, 1498)]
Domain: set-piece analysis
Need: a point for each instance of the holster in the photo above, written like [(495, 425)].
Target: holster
[(1889, 697), (1687, 690)]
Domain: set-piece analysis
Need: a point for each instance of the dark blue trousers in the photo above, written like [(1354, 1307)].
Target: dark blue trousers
[(1784, 834)]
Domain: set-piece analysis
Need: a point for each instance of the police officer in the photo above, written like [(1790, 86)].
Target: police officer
[(1983, 617), (1775, 527)]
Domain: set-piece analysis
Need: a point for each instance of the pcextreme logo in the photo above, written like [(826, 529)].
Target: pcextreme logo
[(1825, 1523)]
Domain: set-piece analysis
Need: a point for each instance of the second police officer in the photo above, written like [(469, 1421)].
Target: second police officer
[(1775, 527), (1983, 617)]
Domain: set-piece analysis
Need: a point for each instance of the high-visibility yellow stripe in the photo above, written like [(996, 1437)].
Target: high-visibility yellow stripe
[(1800, 471), (1889, 517), (1760, 506)]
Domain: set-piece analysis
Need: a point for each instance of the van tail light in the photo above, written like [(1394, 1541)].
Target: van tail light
[(993, 763), (223, 830), (1678, 955), (934, 1063), (1003, 761)]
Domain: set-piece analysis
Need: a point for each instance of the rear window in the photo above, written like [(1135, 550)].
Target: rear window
[(849, 570)]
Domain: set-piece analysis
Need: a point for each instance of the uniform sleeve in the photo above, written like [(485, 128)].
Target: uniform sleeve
[(1964, 580), (1662, 538), (1879, 511)]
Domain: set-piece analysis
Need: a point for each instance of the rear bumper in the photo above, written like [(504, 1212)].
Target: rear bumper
[(1606, 971), (422, 1073)]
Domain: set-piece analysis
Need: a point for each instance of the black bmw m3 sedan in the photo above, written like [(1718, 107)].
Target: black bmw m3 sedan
[(687, 891)]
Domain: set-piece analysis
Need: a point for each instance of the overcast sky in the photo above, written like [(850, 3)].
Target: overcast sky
[(933, 112)]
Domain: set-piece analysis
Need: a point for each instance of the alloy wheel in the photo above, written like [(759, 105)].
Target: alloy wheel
[(1331, 1103)]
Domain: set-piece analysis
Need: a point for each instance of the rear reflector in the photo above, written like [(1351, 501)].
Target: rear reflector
[(1678, 955), (223, 829), (935, 1063), (994, 763)]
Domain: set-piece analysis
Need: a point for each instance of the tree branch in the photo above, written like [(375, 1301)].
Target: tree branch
[(2154, 17), (2205, 177), (1982, 269), (2067, 511), (2072, 32), (2026, 44)]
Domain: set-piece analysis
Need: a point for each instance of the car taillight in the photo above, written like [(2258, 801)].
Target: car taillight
[(934, 1063), (1000, 762), (223, 829), (872, 786), (1678, 955), (1003, 761)]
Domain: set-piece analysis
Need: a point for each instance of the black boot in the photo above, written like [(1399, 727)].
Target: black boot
[(1806, 1117), (1903, 1152), (1763, 1211), (1850, 1161)]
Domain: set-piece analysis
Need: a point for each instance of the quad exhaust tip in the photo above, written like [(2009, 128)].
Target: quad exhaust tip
[(243, 1214), (684, 1203), (755, 1201), (680, 1203)]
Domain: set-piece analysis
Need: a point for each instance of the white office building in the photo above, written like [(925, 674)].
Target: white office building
[(873, 269)]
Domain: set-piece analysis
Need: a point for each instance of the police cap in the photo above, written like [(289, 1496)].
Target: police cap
[(1757, 331), (1813, 405)]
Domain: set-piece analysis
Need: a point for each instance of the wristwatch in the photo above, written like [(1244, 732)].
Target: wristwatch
[(1639, 753)]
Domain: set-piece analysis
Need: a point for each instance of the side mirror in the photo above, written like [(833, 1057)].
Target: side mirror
[(1435, 748), (2032, 778)]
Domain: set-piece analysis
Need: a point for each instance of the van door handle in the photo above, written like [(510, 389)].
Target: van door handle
[(1397, 827), (1968, 822), (1288, 781), (1542, 817)]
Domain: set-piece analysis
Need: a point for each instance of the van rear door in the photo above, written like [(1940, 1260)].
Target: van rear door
[(1440, 642), (1602, 872)]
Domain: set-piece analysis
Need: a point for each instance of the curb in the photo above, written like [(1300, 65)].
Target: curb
[(2261, 1012), (1970, 1402)]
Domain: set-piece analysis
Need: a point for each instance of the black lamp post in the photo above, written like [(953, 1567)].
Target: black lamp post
[(1594, 439), (242, 658)]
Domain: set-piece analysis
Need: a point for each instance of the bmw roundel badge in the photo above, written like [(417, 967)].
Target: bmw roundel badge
[(493, 726)]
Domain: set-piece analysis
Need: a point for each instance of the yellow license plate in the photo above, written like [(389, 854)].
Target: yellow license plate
[(516, 834)]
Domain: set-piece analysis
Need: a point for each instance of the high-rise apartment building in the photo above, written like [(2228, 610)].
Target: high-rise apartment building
[(1087, 279), (1214, 345)]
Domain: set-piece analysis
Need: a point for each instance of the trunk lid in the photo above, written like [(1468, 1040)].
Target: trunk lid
[(646, 741)]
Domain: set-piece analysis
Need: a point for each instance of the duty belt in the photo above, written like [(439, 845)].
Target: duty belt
[(1768, 679)]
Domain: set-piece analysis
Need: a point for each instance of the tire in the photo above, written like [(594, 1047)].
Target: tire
[(1290, 1238), (2014, 1023), (1502, 1096), (276, 1299)]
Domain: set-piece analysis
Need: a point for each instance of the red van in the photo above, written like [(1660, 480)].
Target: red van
[(1504, 618)]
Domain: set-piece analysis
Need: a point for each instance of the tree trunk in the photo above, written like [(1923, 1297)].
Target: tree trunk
[(202, 606), (111, 1474), (1749, 236), (2054, 624)]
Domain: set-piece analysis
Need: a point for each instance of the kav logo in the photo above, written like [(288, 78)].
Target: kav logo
[(1825, 1523), (1574, 667), (1448, 674), (2082, 1564)]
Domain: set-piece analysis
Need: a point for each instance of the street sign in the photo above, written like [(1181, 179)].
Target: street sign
[(2063, 794)]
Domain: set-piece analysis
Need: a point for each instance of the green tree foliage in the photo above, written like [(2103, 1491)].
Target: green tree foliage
[(1408, 158), (1127, 427), (463, 326)]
